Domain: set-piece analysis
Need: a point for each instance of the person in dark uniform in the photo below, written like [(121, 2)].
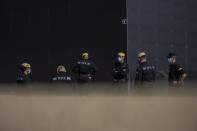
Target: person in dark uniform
[(24, 74), (145, 73), (177, 74), (84, 69), (62, 76), (121, 69)]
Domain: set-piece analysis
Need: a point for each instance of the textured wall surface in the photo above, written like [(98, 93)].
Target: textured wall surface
[(160, 26)]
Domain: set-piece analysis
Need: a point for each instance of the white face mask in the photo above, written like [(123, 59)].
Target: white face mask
[(29, 71), (119, 59), (170, 60)]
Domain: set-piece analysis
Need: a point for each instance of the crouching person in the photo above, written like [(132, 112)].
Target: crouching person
[(62, 82), (62, 76)]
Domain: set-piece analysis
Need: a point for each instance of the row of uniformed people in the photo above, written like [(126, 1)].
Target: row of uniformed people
[(146, 72), (85, 70)]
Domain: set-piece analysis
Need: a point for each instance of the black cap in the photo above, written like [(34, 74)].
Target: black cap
[(170, 55)]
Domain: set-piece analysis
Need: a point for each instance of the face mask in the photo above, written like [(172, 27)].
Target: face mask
[(119, 59), (29, 71), (170, 60)]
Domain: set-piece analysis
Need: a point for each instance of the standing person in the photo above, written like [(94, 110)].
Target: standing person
[(62, 76), (24, 73), (177, 74), (84, 69), (145, 73), (121, 69)]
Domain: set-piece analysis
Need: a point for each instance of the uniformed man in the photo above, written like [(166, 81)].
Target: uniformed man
[(121, 69), (84, 69), (62, 76), (24, 73), (176, 73), (145, 73)]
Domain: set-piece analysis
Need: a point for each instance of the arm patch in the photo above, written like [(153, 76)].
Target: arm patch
[(180, 69)]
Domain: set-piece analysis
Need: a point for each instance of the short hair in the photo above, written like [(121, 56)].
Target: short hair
[(61, 67)]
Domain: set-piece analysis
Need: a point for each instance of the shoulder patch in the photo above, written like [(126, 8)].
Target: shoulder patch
[(180, 69)]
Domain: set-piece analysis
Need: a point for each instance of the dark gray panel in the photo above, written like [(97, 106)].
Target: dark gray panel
[(160, 26)]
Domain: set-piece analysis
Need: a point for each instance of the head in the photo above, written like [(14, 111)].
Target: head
[(85, 56), (171, 58), (26, 68), (142, 57), (121, 57), (61, 68)]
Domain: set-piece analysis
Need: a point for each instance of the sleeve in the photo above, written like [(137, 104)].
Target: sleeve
[(180, 70), (115, 71), (173, 77), (75, 68), (94, 69), (154, 73), (125, 67), (138, 76)]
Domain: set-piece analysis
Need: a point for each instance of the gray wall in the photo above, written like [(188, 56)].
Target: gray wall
[(160, 26)]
